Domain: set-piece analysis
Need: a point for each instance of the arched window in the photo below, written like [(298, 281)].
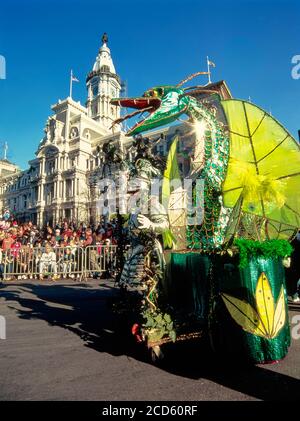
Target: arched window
[(104, 68)]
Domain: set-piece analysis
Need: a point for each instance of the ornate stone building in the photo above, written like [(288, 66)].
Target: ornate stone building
[(57, 183)]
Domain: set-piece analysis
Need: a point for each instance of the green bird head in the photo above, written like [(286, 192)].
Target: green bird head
[(164, 105)]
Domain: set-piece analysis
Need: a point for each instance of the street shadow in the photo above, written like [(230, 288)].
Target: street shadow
[(82, 309), (197, 361), (87, 312)]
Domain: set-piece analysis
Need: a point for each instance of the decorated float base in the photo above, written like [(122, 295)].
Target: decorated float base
[(250, 315), (242, 307)]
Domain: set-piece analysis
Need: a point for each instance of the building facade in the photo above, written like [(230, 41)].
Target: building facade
[(57, 184)]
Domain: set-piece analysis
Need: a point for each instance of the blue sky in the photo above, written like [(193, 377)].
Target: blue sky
[(152, 42)]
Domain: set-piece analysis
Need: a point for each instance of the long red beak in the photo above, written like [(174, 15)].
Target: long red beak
[(138, 103)]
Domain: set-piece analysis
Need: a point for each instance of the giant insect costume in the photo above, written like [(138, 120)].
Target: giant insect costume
[(232, 260)]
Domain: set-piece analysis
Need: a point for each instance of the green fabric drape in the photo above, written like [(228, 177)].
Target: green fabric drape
[(187, 285)]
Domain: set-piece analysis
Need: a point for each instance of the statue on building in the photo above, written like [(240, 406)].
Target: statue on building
[(74, 132), (47, 131), (104, 38), (50, 130)]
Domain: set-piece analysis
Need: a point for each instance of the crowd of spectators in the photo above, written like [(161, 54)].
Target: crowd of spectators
[(61, 235), (53, 248)]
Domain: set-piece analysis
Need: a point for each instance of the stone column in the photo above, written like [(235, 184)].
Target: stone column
[(55, 189), (42, 165), (40, 188), (40, 216), (42, 192)]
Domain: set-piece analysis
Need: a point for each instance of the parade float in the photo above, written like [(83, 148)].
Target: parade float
[(208, 258)]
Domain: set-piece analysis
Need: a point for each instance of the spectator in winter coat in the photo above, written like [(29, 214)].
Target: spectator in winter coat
[(48, 262)]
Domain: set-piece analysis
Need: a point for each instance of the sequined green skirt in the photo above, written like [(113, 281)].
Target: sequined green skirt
[(243, 309)]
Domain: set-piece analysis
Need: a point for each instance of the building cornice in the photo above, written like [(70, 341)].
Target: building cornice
[(66, 103), (94, 73)]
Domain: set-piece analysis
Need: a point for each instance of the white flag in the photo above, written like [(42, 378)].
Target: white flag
[(74, 79)]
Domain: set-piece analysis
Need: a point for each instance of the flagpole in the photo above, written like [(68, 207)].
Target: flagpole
[(5, 150), (71, 80), (208, 70)]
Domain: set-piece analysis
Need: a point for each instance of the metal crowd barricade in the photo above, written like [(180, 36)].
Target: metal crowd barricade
[(33, 262), (65, 262), (100, 258)]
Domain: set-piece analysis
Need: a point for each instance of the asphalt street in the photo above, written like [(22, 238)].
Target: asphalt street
[(62, 344)]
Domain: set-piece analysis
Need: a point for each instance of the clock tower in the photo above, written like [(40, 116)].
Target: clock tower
[(103, 84)]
